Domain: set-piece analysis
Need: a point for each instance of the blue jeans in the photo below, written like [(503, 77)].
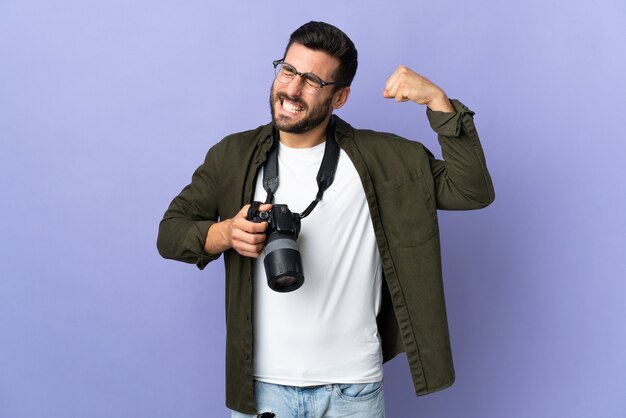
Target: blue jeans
[(358, 400)]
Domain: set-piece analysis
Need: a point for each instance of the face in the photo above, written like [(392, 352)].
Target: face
[(294, 110)]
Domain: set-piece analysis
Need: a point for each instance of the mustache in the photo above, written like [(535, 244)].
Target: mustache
[(295, 100)]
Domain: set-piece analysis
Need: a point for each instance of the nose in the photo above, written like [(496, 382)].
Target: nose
[(294, 87)]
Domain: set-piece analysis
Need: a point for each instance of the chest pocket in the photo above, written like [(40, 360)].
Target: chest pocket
[(407, 208)]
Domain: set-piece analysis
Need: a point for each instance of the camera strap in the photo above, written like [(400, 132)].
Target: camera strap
[(325, 175)]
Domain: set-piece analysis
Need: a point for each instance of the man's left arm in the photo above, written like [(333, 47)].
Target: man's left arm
[(462, 180)]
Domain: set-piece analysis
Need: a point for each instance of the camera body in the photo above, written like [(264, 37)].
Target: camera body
[(283, 263), (279, 220)]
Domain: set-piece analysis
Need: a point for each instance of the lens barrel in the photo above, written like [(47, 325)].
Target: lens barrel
[(282, 261), (283, 264)]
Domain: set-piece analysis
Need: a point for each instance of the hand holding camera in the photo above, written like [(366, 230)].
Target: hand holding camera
[(248, 237)]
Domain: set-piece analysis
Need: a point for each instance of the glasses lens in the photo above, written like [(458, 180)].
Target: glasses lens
[(312, 81), (284, 72)]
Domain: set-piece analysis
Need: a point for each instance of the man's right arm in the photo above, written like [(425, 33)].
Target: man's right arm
[(190, 230), (184, 228)]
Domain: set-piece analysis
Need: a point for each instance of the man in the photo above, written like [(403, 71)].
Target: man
[(369, 247)]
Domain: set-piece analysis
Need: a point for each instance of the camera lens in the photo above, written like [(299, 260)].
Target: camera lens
[(283, 265), (282, 261), (286, 281)]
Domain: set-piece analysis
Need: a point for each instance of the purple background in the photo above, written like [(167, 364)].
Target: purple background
[(106, 108)]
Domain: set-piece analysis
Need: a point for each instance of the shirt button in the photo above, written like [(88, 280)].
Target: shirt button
[(247, 356), (247, 317)]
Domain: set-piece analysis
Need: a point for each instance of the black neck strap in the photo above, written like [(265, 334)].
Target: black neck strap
[(325, 176)]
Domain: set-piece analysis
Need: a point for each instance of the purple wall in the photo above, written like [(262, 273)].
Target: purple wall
[(107, 107)]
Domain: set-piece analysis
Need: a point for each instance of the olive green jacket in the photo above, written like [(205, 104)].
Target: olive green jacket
[(404, 186)]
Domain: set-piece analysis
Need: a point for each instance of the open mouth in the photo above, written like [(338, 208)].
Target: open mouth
[(290, 106)]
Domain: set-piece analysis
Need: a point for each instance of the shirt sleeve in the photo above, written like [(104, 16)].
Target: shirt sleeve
[(185, 224), (449, 123), (462, 180)]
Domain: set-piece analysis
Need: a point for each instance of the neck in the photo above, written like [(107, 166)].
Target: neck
[(308, 139)]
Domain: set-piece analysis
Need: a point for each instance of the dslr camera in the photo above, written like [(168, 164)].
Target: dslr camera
[(283, 264)]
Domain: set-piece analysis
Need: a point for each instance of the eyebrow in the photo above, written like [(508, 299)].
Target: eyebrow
[(302, 72)]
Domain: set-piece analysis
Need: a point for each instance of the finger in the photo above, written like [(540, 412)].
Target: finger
[(243, 213), (398, 89), (249, 251), (389, 84), (251, 242), (248, 254), (402, 93), (388, 94), (244, 226), (397, 72), (400, 83), (250, 237), (390, 89), (400, 73)]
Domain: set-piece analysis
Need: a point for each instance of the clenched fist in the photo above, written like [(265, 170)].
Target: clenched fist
[(405, 84)]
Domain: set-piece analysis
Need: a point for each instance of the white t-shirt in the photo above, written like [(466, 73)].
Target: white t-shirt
[(325, 331)]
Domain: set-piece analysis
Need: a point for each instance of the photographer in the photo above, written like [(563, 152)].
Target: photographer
[(354, 268)]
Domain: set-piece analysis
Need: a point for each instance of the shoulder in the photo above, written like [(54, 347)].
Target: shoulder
[(245, 139), (237, 148), (377, 142), (369, 137)]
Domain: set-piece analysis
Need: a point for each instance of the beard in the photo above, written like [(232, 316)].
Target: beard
[(317, 114)]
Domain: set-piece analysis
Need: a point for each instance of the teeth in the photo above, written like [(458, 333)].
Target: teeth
[(290, 107)]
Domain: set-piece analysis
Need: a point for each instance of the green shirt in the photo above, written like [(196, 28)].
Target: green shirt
[(404, 185)]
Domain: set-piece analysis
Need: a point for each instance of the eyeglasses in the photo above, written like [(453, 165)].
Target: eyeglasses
[(285, 73)]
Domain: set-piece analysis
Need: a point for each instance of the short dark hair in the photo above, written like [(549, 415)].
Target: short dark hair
[(320, 36)]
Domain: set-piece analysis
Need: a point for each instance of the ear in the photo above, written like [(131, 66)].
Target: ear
[(341, 97)]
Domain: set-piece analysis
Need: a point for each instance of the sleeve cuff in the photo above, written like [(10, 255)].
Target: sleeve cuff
[(449, 124), (204, 258)]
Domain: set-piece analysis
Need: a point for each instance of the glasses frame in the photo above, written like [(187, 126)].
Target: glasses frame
[(304, 76)]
